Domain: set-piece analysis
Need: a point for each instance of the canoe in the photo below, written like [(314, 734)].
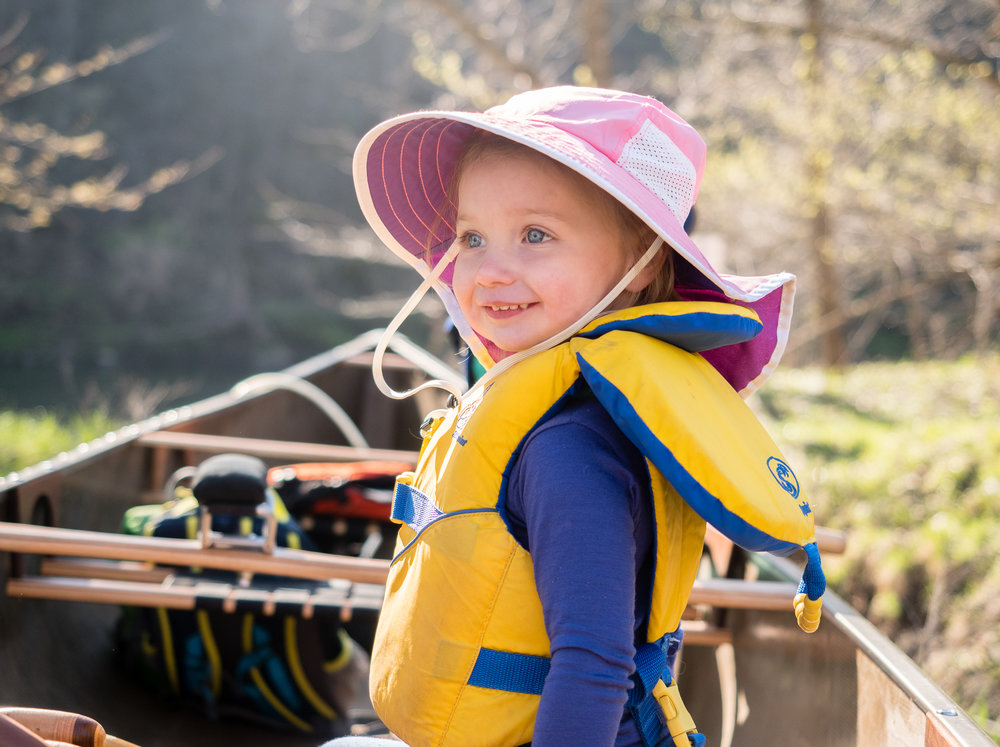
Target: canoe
[(747, 674)]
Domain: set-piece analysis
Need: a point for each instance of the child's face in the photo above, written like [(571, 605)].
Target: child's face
[(538, 249)]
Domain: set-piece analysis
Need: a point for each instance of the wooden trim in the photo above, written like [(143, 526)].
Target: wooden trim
[(30, 538), (936, 734), (739, 594), (290, 450), (111, 570), (187, 596), (700, 633), (831, 540), (885, 713)]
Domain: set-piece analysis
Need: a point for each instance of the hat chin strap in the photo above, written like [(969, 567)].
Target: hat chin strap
[(502, 365), (397, 322)]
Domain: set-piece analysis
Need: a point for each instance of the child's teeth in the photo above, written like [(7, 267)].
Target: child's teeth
[(510, 308)]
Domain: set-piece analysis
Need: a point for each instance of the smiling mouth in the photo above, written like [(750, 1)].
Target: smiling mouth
[(501, 311), (507, 307)]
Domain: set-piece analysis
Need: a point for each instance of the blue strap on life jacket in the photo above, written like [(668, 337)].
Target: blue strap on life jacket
[(813, 582), (654, 662), (417, 511), (510, 672), (413, 508), (525, 673), (650, 665)]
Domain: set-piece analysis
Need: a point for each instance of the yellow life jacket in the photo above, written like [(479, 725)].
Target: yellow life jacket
[(461, 650)]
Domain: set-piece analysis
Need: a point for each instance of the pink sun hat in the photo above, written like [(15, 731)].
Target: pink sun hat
[(631, 146)]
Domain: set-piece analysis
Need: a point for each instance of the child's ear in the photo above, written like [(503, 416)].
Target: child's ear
[(647, 273)]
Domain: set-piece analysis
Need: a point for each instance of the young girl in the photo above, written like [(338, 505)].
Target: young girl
[(551, 533)]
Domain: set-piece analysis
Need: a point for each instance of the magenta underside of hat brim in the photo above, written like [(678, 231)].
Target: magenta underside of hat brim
[(741, 363)]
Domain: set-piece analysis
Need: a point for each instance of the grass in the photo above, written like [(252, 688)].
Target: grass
[(29, 437)]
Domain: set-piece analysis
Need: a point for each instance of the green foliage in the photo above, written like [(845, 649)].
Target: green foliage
[(906, 458), (27, 438), (876, 175)]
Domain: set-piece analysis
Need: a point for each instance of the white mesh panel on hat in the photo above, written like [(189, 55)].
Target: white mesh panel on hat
[(656, 161)]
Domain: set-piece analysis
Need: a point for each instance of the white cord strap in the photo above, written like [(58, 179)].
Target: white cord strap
[(397, 322)]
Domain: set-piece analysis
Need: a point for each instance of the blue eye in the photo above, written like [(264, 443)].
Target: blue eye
[(536, 236), (473, 240)]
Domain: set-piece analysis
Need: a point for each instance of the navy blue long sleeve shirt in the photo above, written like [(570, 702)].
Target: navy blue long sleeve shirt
[(578, 500)]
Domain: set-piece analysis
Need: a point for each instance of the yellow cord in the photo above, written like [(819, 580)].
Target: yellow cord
[(258, 680), (346, 649), (292, 655), (168, 649), (211, 651)]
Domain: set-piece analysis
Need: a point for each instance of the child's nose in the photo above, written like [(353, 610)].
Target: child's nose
[(495, 267)]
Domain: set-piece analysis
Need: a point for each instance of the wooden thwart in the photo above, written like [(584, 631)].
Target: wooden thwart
[(732, 593), (30, 538), (312, 565), (111, 570), (229, 597), (121, 569), (701, 633), (343, 599)]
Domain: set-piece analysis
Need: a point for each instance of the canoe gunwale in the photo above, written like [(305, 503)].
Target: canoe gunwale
[(174, 419), (893, 662)]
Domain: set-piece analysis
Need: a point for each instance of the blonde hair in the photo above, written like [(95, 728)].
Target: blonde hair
[(636, 235)]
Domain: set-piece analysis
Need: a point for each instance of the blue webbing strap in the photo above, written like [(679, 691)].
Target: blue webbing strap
[(691, 331), (510, 672), (654, 662), (413, 508), (813, 581), (650, 666), (525, 673)]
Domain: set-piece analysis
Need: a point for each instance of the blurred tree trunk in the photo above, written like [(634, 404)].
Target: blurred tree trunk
[(916, 311), (819, 158), (596, 52)]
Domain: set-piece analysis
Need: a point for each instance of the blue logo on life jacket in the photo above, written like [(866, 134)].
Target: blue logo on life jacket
[(784, 475)]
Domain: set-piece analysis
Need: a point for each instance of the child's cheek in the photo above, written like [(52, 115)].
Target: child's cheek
[(462, 283)]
